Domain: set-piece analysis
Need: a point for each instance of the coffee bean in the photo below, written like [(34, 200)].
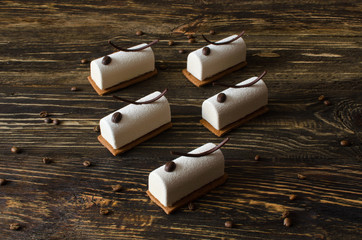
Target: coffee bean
[(301, 176), (84, 61), (321, 98), (56, 122), (116, 188), (292, 197), (48, 120), (221, 97), (170, 166), (14, 226), (171, 43), (139, 33), (106, 60), (46, 160), (15, 149), (73, 89), (344, 143), (181, 51), (86, 163), (191, 206), (229, 224), (43, 114), (327, 103), (257, 157), (285, 214), (2, 181), (163, 66), (104, 211), (190, 36), (212, 32), (116, 117), (287, 222), (206, 51), (192, 40), (96, 128)]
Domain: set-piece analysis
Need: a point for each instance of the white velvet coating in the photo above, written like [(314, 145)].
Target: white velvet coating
[(221, 58), (189, 175), (137, 120), (239, 103), (123, 67)]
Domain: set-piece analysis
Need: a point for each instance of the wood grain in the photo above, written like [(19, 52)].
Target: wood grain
[(308, 47)]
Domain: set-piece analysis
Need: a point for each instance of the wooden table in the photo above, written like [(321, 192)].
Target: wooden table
[(309, 49)]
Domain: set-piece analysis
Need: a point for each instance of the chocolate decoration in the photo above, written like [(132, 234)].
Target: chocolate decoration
[(106, 60), (145, 102), (170, 166), (116, 117), (206, 51), (244, 85), (203, 153), (133, 50), (222, 43), (221, 97)]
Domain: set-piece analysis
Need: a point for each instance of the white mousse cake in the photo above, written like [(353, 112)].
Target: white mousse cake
[(203, 65), (188, 175), (234, 104), (135, 121), (122, 66)]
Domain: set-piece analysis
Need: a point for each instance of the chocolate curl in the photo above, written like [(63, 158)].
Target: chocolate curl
[(203, 153), (145, 102)]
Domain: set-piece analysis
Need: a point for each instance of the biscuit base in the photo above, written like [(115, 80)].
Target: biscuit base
[(235, 124), (136, 142), (199, 83), (192, 196), (122, 84)]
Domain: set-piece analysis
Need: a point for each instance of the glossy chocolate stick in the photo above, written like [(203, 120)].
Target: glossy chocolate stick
[(203, 153), (135, 49), (243, 85), (222, 43), (145, 102)]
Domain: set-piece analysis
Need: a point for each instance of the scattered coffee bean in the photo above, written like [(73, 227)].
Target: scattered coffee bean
[(43, 114), (170, 166), (163, 66), (285, 214), (104, 211), (292, 197), (171, 43), (84, 61), (192, 40), (2, 181), (229, 224), (139, 33), (48, 120), (116, 117), (86, 163), (287, 222), (206, 51), (96, 128), (181, 51), (46, 160), (15, 149), (190, 36), (56, 122), (327, 103), (221, 97), (257, 157), (212, 32), (301, 176), (117, 187), (344, 143), (14, 226), (73, 89), (106, 60), (321, 98), (191, 206)]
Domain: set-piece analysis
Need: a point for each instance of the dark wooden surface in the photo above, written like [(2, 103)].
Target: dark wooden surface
[(308, 48)]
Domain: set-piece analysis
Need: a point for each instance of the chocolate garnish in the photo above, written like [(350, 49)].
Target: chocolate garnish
[(106, 60), (135, 49), (221, 97), (206, 51), (222, 43), (116, 117), (145, 102), (170, 166), (244, 85), (203, 153)]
